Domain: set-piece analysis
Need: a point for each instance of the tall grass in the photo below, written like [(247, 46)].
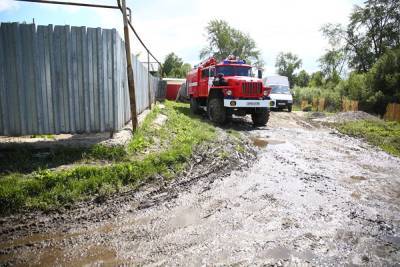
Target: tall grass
[(174, 141), (332, 97)]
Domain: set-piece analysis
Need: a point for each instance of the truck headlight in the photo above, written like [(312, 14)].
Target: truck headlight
[(265, 93), (228, 92)]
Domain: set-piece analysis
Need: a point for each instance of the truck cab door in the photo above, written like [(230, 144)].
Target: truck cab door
[(203, 84)]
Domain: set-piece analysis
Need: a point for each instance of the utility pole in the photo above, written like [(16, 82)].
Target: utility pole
[(129, 69), (148, 78)]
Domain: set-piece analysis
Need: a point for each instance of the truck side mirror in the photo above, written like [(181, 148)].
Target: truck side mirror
[(259, 74)]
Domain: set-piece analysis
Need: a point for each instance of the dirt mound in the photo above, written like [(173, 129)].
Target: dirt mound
[(347, 116)]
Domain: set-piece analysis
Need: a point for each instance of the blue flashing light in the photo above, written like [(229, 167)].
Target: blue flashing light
[(234, 62)]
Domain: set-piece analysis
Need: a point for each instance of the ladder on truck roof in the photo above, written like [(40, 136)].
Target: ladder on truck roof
[(207, 62)]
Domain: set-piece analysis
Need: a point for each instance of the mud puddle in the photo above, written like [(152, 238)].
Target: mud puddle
[(36, 238), (264, 142), (358, 178), (93, 255)]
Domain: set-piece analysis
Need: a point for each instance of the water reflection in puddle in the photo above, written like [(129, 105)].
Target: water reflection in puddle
[(264, 142)]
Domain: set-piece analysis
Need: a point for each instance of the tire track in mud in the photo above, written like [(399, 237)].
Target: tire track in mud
[(76, 234), (312, 197)]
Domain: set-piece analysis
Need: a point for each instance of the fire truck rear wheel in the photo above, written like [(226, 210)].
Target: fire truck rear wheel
[(194, 106), (260, 118), (217, 111)]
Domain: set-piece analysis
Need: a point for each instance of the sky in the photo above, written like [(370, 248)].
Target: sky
[(179, 25)]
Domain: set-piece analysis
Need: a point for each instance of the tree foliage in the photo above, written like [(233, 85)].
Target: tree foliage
[(373, 28), (385, 74), (332, 63), (224, 40), (174, 67), (370, 45), (317, 79), (302, 79), (286, 65)]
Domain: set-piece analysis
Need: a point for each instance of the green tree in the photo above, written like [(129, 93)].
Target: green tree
[(317, 79), (384, 77), (332, 63), (286, 64), (223, 40), (373, 28), (186, 67), (385, 74), (302, 79), (174, 67)]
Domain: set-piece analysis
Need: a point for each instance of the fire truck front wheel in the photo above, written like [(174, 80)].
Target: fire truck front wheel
[(216, 111), (261, 117), (194, 106)]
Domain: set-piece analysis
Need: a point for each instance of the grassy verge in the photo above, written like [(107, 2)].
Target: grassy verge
[(385, 135), (153, 150)]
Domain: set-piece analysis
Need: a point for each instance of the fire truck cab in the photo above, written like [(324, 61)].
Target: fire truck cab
[(227, 88)]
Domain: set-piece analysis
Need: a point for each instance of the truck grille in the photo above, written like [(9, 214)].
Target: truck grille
[(250, 88)]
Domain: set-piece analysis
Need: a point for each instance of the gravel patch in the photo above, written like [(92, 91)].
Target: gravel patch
[(345, 117)]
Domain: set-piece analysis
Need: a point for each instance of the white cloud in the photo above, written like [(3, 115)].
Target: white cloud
[(7, 4), (179, 26), (286, 25)]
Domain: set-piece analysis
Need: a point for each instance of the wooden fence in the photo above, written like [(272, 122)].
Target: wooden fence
[(349, 105), (319, 104), (392, 112)]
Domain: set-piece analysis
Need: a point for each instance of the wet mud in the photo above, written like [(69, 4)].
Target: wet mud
[(310, 197)]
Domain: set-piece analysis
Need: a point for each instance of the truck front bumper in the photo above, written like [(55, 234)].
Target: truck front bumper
[(234, 103)]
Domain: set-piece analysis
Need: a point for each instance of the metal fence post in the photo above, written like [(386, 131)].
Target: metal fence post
[(148, 77), (131, 83)]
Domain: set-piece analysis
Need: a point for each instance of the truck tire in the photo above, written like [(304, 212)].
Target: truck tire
[(216, 111), (194, 106), (289, 108), (260, 118)]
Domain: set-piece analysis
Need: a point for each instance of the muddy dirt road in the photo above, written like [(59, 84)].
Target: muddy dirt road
[(311, 197)]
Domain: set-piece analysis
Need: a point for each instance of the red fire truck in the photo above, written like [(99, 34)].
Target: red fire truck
[(227, 88)]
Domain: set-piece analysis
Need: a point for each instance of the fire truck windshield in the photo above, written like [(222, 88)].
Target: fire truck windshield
[(234, 71)]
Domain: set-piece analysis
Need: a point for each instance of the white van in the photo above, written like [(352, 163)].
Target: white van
[(280, 91)]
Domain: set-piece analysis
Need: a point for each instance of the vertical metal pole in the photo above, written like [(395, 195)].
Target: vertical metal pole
[(148, 78), (131, 84)]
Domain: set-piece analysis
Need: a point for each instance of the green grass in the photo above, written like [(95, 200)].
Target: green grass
[(174, 143), (25, 159), (385, 135), (234, 133)]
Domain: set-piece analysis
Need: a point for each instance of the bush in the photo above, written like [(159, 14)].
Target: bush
[(384, 79), (332, 97)]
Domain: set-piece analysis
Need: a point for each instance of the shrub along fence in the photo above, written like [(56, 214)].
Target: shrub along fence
[(319, 104), (66, 79)]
